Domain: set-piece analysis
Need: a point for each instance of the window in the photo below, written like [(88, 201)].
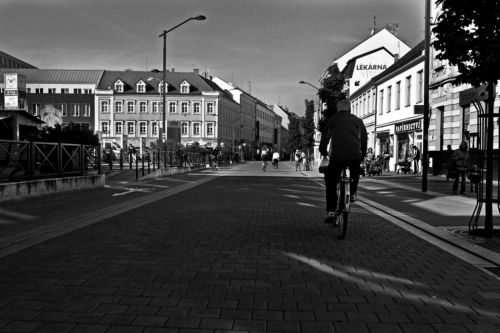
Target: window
[(196, 108), (210, 107), (118, 127), (86, 110), (389, 98), (77, 91), (105, 127), (408, 90), (171, 107), (374, 100), (161, 86), (38, 90), (368, 104), (155, 107), (142, 128), (36, 109), (141, 87), (119, 106), (64, 91), (87, 91), (104, 106), (196, 129), (64, 109), (51, 91), (184, 107), (154, 128), (184, 88), (381, 111), (75, 110), (143, 107), (398, 95), (130, 107), (119, 86), (184, 128), (130, 127), (210, 129), (420, 86)]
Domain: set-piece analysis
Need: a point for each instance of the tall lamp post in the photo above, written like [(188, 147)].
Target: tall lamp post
[(164, 90), (320, 109)]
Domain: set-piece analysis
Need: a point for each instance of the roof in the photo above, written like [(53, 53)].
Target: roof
[(349, 67), (56, 76), (152, 80), (413, 54)]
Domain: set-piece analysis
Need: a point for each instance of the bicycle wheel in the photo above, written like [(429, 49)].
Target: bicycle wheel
[(342, 219)]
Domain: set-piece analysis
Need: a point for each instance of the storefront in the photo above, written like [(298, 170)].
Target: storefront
[(407, 134)]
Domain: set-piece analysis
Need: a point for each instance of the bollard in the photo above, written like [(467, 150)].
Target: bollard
[(149, 164), (130, 160), (136, 168), (142, 162), (121, 159)]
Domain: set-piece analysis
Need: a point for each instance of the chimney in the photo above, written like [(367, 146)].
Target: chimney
[(173, 69), (196, 71), (396, 57)]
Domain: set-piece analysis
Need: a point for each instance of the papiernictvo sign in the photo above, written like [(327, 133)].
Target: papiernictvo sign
[(409, 126)]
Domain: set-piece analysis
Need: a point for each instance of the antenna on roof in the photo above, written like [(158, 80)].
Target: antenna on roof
[(374, 25)]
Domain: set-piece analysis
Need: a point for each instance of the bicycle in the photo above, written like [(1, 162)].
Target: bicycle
[(343, 202)]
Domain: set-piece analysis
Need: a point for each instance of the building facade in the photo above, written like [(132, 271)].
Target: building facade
[(8, 61), (60, 96)]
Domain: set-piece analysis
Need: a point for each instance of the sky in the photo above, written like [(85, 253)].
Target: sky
[(264, 47)]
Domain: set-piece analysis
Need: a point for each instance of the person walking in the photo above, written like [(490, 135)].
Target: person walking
[(460, 160), (415, 154), (298, 159), (348, 139), (263, 156), (448, 157), (276, 158)]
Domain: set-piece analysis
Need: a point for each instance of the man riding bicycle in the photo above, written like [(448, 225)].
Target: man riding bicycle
[(346, 136)]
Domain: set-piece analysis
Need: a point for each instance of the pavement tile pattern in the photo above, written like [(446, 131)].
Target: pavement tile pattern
[(243, 254)]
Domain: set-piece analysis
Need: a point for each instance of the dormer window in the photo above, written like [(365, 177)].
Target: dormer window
[(185, 87), (140, 87), (119, 86), (160, 87)]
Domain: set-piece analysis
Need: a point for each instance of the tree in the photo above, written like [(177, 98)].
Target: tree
[(468, 37), (331, 91), (307, 124), (72, 133), (294, 135)]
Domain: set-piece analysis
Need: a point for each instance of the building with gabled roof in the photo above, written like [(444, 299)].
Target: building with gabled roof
[(59, 96)]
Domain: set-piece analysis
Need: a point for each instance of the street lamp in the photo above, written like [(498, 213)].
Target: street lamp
[(164, 90)]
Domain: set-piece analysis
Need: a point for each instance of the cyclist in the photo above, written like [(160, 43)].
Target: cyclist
[(344, 142)]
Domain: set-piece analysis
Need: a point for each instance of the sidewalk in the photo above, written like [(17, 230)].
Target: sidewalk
[(244, 252)]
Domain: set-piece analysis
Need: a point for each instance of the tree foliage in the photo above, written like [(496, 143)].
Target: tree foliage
[(294, 135), (330, 93), (468, 36), (72, 133), (307, 123)]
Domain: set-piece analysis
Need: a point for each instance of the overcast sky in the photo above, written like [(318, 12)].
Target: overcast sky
[(263, 45)]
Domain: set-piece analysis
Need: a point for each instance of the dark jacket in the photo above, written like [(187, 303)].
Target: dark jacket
[(347, 136)]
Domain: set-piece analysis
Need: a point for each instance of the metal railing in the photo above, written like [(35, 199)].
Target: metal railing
[(23, 160)]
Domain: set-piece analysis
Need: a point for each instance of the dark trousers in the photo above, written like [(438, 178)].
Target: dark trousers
[(332, 177), (460, 174)]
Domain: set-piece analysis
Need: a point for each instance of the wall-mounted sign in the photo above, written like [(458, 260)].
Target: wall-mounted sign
[(15, 91), (14, 81), (410, 126)]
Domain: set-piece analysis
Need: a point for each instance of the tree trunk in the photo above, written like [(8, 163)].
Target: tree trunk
[(488, 223)]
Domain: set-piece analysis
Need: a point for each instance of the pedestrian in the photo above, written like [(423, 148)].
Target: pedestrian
[(263, 156), (298, 159), (415, 154), (386, 155), (347, 138), (303, 158), (448, 156), (276, 158), (461, 158), (369, 160)]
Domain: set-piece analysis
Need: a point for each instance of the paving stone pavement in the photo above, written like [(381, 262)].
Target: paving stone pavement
[(243, 254)]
